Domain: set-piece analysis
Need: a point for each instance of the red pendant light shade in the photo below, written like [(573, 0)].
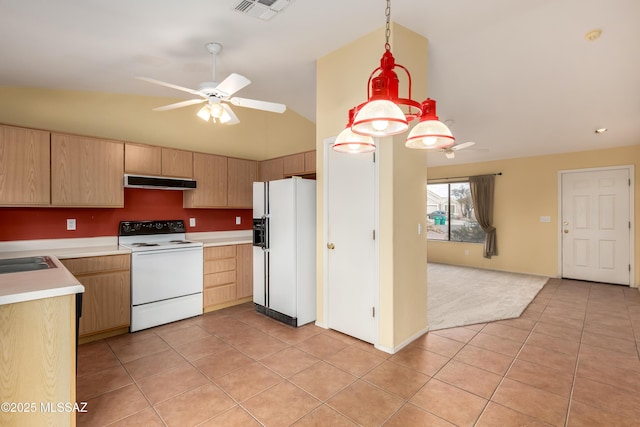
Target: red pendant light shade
[(381, 115), (430, 133)]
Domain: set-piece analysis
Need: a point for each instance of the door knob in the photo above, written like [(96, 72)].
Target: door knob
[(566, 231), (331, 246)]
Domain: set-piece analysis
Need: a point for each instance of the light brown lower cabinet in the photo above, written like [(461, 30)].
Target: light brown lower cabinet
[(244, 270), (228, 276), (38, 362), (106, 303)]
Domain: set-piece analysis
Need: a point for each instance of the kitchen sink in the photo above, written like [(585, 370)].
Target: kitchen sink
[(15, 265)]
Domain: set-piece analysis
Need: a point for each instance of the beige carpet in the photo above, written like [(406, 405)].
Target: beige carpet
[(459, 296)]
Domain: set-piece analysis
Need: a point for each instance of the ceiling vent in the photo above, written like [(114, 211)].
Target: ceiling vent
[(262, 9)]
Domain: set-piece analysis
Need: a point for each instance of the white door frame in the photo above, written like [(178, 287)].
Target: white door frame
[(631, 170), (326, 144)]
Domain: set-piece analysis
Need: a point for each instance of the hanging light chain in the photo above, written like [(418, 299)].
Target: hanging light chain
[(387, 33)]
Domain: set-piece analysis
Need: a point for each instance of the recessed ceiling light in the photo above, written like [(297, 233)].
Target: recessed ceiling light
[(593, 35), (601, 130)]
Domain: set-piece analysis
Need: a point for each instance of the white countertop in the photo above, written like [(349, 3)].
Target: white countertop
[(221, 238), (39, 284), (31, 285)]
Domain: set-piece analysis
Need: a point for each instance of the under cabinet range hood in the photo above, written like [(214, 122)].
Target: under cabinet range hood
[(158, 182)]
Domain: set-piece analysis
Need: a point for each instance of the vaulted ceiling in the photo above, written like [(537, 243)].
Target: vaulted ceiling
[(518, 77)]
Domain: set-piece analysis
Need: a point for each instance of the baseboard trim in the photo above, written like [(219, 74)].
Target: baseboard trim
[(397, 348)]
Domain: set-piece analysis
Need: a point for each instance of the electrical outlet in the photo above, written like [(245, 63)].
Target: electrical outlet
[(71, 224), (238, 220), (466, 251), (192, 222), (545, 219)]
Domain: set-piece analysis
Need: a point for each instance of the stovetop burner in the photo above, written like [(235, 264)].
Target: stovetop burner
[(154, 235)]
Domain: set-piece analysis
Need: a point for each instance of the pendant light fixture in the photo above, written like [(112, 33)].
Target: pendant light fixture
[(351, 142), (381, 115), (430, 133)]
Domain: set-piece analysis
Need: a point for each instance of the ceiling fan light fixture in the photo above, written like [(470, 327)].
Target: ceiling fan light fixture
[(204, 113), (216, 110), (450, 154), (430, 132)]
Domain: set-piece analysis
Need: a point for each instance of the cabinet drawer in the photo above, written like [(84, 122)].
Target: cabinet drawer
[(219, 265), (99, 264), (217, 279), (219, 295), (214, 252)]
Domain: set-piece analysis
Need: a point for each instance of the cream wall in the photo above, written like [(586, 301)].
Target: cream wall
[(258, 136), (341, 84), (527, 190)]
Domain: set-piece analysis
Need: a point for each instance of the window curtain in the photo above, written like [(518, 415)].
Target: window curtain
[(482, 196)]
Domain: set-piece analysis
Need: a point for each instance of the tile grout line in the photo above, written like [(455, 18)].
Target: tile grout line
[(575, 370), (490, 400)]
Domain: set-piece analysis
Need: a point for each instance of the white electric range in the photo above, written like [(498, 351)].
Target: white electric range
[(166, 272)]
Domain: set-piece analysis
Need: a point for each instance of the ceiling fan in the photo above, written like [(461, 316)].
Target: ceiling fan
[(216, 95), (451, 151)]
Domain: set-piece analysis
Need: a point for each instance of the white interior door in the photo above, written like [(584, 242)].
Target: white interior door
[(350, 246), (596, 225)]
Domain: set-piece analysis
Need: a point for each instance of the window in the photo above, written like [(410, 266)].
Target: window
[(450, 214)]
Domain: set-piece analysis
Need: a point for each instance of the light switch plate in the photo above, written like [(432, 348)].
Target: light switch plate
[(71, 224), (192, 222), (545, 219)]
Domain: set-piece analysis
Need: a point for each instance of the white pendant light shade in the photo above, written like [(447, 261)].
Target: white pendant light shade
[(430, 134), (350, 142), (380, 118)]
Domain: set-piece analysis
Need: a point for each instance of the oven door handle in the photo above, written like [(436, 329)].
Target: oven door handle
[(166, 251)]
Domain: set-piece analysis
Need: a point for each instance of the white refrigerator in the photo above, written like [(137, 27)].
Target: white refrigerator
[(284, 249)]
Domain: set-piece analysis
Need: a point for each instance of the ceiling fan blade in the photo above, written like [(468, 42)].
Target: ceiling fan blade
[(463, 145), (180, 104), (171, 85), (231, 85), (259, 105), (233, 118)]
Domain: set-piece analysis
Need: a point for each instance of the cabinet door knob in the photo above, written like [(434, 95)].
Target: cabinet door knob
[(331, 246)]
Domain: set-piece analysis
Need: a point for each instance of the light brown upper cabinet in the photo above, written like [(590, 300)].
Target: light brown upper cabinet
[(86, 171), (177, 163), (300, 164), (210, 173), (142, 159), (241, 175), (310, 162), (157, 161), (24, 167), (293, 164), (271, 170)]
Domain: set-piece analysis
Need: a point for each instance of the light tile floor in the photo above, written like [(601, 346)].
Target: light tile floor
[(571, 359)]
